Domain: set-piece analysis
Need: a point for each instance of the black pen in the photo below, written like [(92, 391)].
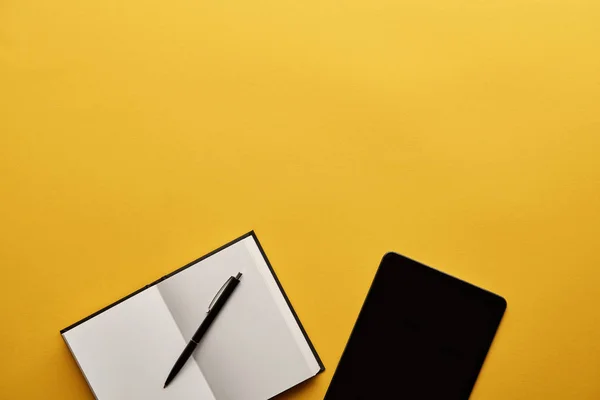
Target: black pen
[(213, 310)]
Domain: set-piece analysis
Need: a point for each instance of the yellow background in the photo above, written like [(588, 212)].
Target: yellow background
[(138, 135)]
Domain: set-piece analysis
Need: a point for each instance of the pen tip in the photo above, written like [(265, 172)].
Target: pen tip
[(239, 275)]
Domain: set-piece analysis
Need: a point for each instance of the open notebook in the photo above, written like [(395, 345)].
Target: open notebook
[(255, 349)]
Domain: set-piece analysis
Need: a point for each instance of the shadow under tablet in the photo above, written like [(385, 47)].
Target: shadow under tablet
[(421, 335)]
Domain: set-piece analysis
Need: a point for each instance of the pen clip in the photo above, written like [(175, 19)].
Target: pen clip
[(218, 294)]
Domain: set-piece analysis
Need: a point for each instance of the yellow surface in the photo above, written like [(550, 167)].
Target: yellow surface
[(138, 135)]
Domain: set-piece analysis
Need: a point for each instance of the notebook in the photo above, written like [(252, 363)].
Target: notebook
[(420, 335), (255, 349)]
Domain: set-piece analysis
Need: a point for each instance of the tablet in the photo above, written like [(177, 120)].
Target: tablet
[(421, 334)]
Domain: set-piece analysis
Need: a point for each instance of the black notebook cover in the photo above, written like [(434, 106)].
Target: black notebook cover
[(262, 253), (421, 335)]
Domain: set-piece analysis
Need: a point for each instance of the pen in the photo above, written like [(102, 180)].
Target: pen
[(213, 310)]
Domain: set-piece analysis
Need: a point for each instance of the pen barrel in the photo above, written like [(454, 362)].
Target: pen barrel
[(216, 308), (218, 303)]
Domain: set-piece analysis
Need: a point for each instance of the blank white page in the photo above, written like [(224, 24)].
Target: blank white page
[(252, 350), (127, 351)]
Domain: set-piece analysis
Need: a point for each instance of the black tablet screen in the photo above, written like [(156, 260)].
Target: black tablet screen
[(421, 334)]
